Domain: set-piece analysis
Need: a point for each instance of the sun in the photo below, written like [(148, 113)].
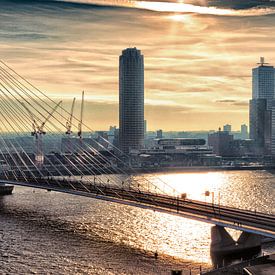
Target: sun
[(180, 7)]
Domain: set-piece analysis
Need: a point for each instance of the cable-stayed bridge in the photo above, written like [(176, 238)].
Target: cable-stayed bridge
[(26, 109)]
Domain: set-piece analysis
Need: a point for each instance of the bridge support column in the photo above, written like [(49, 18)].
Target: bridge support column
[(223, 246), (5, 189)]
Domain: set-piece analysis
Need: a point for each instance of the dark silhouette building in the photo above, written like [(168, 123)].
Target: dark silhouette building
[(221, 143), (131, 100)]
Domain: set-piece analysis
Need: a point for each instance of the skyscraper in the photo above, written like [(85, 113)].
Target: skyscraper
[(131, 100), (263, 82), (263, 86), (257, 116)]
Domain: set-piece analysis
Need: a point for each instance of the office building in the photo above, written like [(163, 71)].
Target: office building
[(261, 105), (263, 83), (131, 100)]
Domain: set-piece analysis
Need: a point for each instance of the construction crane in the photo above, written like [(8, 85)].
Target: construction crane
[(38, 132), (69, 121), (81, 118), (69, 129)]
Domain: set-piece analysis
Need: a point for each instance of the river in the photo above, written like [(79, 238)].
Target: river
[(53, 233)]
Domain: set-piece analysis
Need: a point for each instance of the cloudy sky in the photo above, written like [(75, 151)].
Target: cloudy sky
[(198, 55)]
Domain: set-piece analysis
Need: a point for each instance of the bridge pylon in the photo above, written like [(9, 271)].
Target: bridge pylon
[(223, 246)]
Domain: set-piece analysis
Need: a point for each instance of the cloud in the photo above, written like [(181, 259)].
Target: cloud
[(233, 102), (240, 4), (226, 101), (215, 7), (191, 61)]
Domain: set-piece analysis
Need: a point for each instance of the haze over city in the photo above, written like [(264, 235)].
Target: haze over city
[(137, 137), (198, 55)]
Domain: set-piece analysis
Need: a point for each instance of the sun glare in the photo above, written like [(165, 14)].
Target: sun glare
[(180, 7)]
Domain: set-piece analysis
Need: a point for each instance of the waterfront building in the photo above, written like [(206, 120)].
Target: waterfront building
[(175, 152), (221, 143), (131, 100)]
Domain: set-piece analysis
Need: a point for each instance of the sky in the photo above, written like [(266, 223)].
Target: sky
[(198, 55)]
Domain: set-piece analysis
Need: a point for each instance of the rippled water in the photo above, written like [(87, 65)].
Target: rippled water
[(48, 232)]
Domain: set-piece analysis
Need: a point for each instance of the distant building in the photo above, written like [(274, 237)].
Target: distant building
[(159, 134), (172, 143), (116, 138), (221, 143), (175, 152), (242, 147), (145, 127), (111, 134), (244, 131), (131, 100), (227, 128), (87, 144)]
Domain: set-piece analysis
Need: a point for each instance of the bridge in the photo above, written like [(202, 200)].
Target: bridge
[(247, 221), (27, 111)]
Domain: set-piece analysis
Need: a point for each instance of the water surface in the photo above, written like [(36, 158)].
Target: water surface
[(54, 233)]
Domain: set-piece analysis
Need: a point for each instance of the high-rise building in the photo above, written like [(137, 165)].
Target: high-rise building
[(273, 128), (259, 123), (263, 86), (263, 82), (131, 100), (227, 128)]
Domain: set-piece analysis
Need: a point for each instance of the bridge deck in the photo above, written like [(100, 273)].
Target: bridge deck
[(249, 221)]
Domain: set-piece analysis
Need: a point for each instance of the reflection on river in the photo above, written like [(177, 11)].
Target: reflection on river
[(64, 234)]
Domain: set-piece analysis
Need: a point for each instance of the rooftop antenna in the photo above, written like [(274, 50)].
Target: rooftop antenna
[(262, 61)]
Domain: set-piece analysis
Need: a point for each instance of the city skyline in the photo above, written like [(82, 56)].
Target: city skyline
[(197, 75), (137, 136)]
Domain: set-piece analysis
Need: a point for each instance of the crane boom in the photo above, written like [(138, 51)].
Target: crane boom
[(69, 122), (81, 117), (49, 116), (34, 123)]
